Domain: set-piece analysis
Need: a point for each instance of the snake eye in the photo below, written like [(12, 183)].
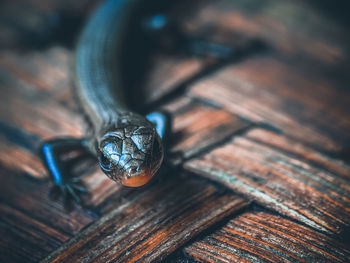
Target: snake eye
[(104, 162)]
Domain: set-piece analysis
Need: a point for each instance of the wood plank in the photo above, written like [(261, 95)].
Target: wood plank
[(31, 224), (264, 237), (18, 145), (300, 151), (39, 105), (274, 178), (268, 90), (198, 126), (147, 225), (167, 73)]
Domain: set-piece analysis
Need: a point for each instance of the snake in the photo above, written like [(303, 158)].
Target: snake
[(128, 145)]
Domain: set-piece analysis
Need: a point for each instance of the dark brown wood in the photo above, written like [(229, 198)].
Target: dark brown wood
[(263, 237), (197, 126), (167, 73), (148, 225), (36, 87), (38, 94), (268, 90), (300, 151), (31, 224), (283, 182)]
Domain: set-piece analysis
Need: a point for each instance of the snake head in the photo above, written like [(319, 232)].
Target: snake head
[(131, 155)]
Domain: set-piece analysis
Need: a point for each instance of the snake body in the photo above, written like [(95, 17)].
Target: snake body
[(127, 144)]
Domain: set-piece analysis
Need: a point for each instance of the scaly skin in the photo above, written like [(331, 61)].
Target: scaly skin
[(130, 151), (127, 144)]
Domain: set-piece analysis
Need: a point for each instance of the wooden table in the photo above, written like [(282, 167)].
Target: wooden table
[(261, 142)]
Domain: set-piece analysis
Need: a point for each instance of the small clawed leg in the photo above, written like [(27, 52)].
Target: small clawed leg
[(162, 121), (64, 182)]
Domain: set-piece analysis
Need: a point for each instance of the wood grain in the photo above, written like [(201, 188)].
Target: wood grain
[(167, 72), (263, 237), (38, 88), (146, 226), (283, 182), (198, 126), (300, 151), (268, 90), (35, 106), (32, 225)]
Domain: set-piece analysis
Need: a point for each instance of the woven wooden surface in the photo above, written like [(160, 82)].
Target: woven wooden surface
[(259, 148)]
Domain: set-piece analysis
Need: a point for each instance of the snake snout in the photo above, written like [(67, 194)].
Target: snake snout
[(131, 155)]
